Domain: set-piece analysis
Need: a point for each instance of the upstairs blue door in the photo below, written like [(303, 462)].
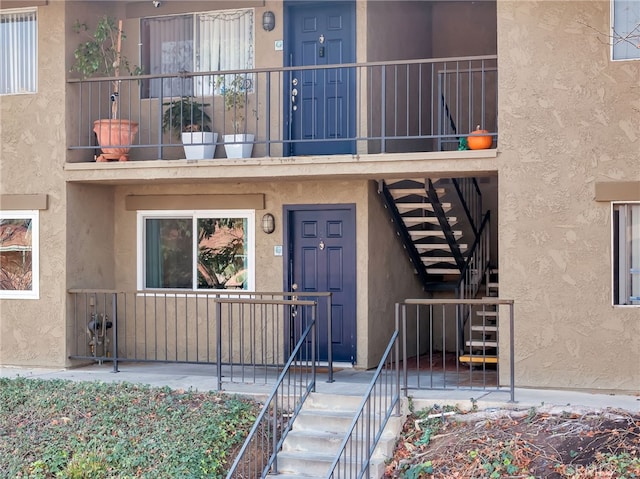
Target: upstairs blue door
[(320, 102), (321, 254)]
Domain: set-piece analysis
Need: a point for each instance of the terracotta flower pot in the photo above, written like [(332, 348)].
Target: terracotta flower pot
[(114, 137)]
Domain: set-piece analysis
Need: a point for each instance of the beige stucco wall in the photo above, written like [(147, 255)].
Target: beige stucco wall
[(269, 268), (32, 154), (569, 117)]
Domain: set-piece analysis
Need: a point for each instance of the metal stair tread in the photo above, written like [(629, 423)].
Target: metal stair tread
[(487, 313), (416, 220), (466, 358), (481, 343), (487, 328), (432, 233)]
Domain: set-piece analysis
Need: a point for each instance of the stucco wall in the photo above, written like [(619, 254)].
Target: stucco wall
[(568, 117), (269, 268), (32, 152)]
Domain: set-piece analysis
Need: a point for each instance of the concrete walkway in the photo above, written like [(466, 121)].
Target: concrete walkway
[(347, 381)]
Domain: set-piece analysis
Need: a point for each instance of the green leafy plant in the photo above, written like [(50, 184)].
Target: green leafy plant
[(82, 430), (100, 54), (234, 90), (185, 115)]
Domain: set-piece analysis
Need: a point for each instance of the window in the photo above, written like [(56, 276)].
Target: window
[(625, 25), (212, 41), (626, 254), (19, 254), (18, 52), (202, 250)]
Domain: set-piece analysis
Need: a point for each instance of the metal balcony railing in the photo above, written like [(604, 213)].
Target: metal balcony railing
[(248, 337), (378, 107)]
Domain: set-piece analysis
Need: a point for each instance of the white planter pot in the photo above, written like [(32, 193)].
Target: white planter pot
[(238, 146), (199, 145)]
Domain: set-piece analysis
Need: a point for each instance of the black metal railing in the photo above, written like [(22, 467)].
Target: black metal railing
[(259, 453), (242, 334), (380, 401), (404, 106), (431, 344)]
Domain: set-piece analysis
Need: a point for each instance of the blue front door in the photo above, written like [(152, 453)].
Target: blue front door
[(320, 103), (321, 254)]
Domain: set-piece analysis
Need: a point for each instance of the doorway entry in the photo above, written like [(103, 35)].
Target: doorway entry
[(320, 103), (321, 257)]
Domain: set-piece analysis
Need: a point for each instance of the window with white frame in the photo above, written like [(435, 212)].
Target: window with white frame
[(18, 51), (625, 29), (19, 254), (200, 42), (626, 254), (196, 250)]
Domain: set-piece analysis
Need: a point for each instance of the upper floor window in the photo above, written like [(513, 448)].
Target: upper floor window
[(18, 51), (199, 250), (626, 253), (19, 254), (211, 41), (625, 25)]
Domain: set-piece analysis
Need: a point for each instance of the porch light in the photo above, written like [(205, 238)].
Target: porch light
[(268, 223), (268, 21)]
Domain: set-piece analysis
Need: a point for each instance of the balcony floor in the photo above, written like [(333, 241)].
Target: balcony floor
[(365, 166)]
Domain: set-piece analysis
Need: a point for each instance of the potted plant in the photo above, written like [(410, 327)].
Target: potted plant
[(100, 56), (189, 118), (234, 92)]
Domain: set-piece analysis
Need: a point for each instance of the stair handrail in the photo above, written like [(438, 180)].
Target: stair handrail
[(432, 195), (479, 255), (370, 423), (274, 421)]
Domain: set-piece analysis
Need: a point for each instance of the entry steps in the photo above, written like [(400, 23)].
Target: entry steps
[(482, 346), (311, 446)]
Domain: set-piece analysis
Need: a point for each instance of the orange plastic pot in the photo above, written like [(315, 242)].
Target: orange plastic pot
[(115, 138)]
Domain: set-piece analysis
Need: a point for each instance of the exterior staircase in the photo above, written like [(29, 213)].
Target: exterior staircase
[(439, 221), (317, 434), (482, 343)]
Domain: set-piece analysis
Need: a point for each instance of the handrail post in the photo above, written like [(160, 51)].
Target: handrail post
[(404, 350), (329, 343), (397, 361), (313, 345), (219, 343), (114, 313), (512, 361), (268, 117), (383, 109)]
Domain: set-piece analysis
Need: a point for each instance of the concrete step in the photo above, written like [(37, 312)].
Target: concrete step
[(326, 421), (317, 434), (333, 402), (315, 464)]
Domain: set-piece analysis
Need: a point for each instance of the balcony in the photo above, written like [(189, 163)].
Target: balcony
[(381, 110)]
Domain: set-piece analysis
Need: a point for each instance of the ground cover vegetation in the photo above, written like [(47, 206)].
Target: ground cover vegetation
[(95, 430), (544, 442)]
